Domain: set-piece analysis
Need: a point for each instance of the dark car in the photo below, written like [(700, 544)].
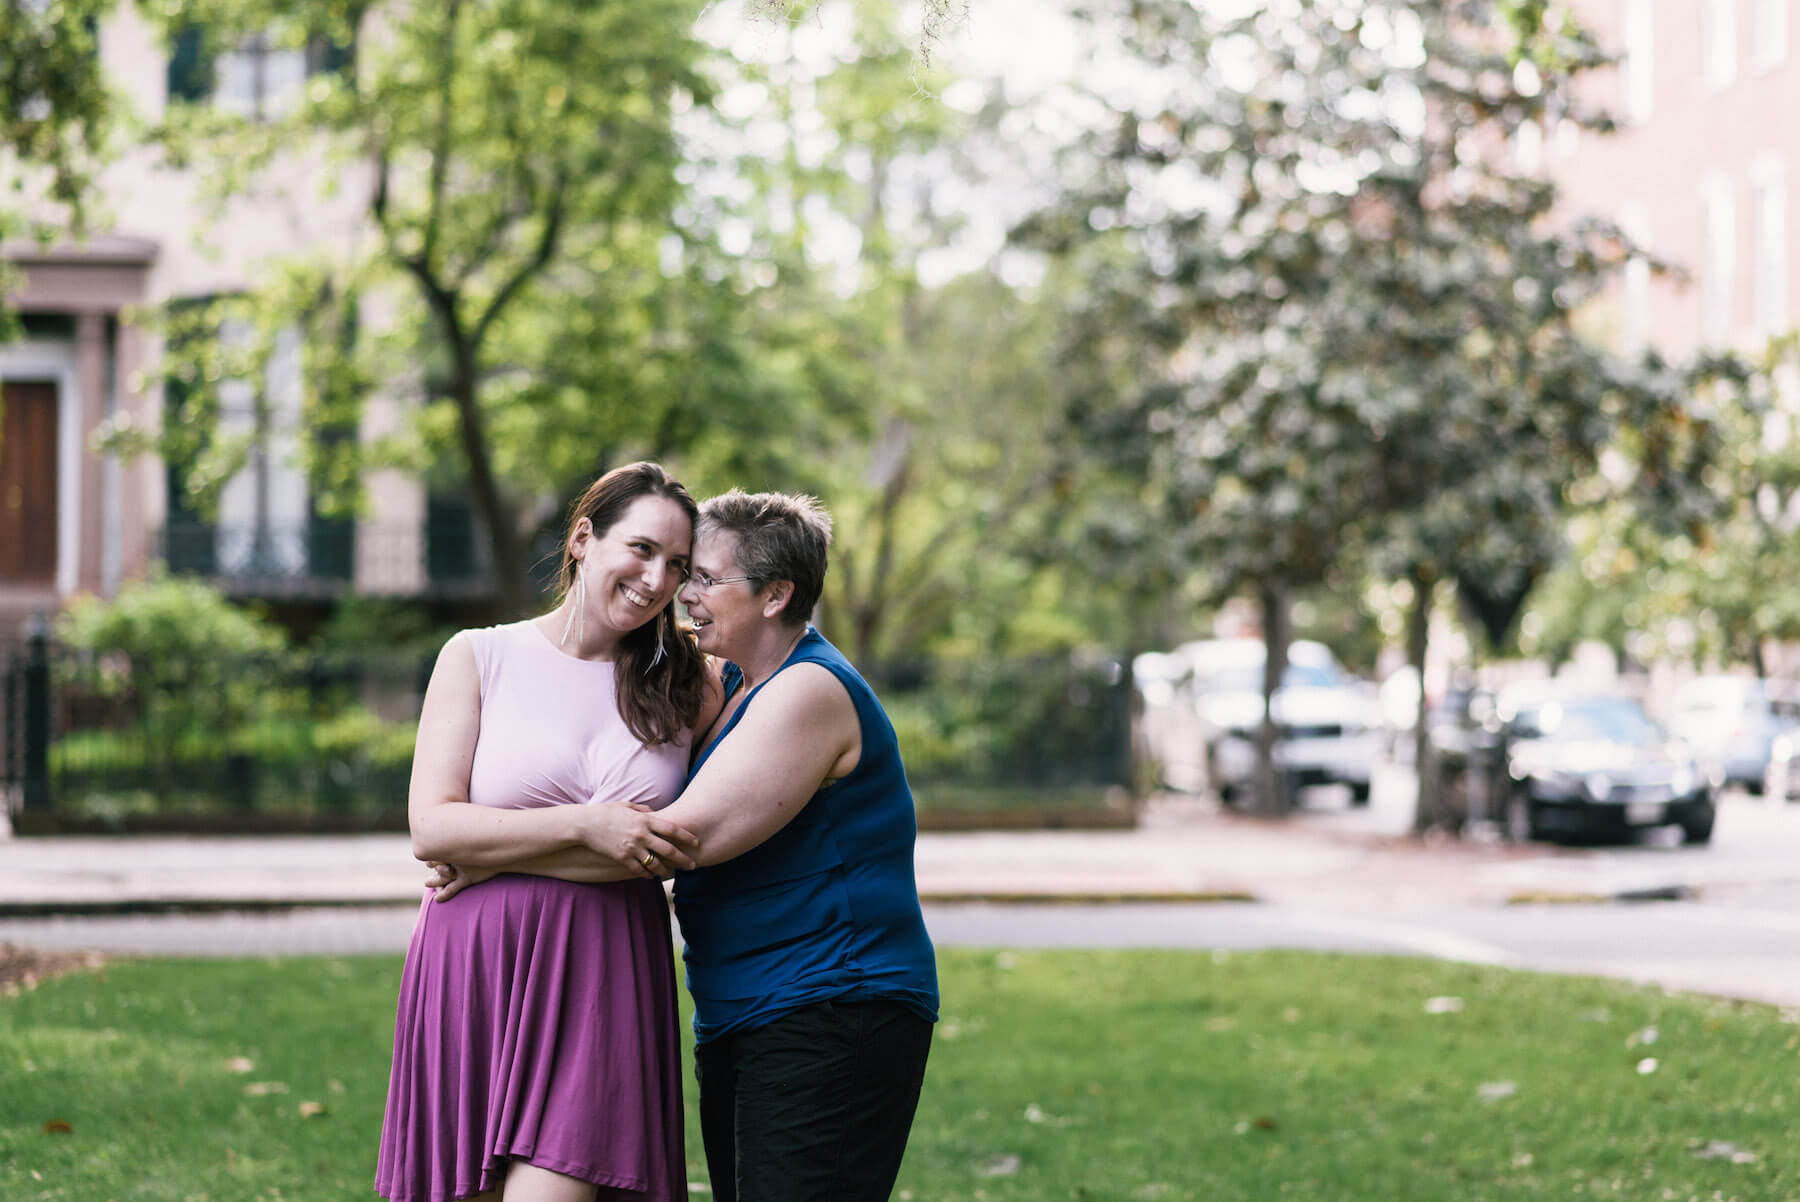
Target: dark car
[(1592, 763)]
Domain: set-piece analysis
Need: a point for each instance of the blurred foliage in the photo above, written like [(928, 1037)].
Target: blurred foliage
[(1357, 315), (380, 625), (515, 164), (56, 117), (987, 721), (1698, 573), (174, 619), (176, 700)]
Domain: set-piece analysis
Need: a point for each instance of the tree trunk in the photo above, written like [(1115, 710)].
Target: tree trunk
[(511, 572), (1273, 789), (1425, 762)]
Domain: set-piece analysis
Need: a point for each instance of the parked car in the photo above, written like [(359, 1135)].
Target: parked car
[(1781, 777), (1329, 721), (1583, 762), (1732, 723)]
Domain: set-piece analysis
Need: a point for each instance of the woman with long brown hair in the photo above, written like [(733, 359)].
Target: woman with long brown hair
[(536, 1052)]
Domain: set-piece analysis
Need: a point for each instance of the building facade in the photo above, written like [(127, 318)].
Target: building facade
[(75, 521), (1701, 171)]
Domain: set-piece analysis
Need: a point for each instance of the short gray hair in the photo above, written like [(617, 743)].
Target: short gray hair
[(780, 536)]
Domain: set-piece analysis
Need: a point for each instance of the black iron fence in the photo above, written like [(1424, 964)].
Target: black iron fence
[(117, 738)]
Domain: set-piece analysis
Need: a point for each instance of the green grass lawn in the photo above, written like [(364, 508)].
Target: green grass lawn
[(1128, 1075)]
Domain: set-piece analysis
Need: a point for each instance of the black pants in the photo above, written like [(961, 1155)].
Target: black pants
[(816, 1105)]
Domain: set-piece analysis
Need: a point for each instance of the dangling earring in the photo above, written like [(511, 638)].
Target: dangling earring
[(658, 657), (575, 618)]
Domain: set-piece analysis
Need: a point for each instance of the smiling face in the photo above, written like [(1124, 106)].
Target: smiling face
[(730, 608), (633, 568)]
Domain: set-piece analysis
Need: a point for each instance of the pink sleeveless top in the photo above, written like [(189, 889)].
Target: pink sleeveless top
[(551, 732)]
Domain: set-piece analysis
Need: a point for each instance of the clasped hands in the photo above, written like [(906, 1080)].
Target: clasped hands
[(618, 841)]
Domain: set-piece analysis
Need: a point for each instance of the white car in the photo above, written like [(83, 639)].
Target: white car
[(1733, 724), (1329, 722)]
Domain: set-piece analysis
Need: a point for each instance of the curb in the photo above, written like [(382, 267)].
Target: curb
[(144, 906), (125, 907), (961, 897), (1653, 893)]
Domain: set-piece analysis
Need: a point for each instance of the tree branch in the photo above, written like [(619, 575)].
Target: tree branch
[(549, 238), (440, 153)]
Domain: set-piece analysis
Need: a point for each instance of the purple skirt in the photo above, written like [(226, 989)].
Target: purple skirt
[(537, 1021)]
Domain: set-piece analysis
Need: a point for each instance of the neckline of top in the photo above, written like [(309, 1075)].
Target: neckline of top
[(543, 640)]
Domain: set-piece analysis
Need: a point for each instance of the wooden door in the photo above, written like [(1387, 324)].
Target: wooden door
[(28, 517)]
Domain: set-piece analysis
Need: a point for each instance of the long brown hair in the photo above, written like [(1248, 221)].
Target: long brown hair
[(659, 698)]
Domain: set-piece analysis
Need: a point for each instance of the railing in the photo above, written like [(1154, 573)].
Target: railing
[(119, 738), (1042, 723), (114, 737), (329, 558)]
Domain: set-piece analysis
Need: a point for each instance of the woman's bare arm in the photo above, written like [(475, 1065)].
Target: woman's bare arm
[(446, 828), (802, 731), (581, 863)]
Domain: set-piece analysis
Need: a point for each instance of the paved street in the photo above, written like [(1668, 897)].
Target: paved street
[(1330, 877)]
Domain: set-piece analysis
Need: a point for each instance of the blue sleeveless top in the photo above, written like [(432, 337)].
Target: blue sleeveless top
[(827, 908)]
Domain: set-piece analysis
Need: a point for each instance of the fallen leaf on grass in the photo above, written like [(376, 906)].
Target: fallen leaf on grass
[(240, 1064), (1037, 1114), (1223, 1022), (58, 1127), (259, 1089), (1000, 1166), (1719, 1149), (1646, 1036), (1522, 1160), (1646, 1066), (1493, 1091), (1443, 1005), (310, 1110)]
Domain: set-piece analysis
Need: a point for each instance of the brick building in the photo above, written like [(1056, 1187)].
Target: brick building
[(73, 521), (1702, 169)]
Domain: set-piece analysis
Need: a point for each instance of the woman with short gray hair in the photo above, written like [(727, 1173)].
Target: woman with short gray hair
[(813, 977)]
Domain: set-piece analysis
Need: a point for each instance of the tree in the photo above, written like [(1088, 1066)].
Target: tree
[(1360, 313), (55, 116), (1695, 566), (514, 165), (918, 399)]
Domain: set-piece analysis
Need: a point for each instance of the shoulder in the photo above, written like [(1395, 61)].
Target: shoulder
[(463, 646), (808, 688)]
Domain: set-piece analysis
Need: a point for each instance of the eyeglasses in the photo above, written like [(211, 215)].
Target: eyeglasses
[(705, 583)]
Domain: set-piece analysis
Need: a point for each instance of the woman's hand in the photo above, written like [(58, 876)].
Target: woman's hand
[(638, 838), (447, 880)]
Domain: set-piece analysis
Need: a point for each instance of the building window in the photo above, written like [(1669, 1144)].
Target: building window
[(190, 68), (1718, 261), (1769, 197), (258, 77), (1637, 70), (1719, 42), (1771, 32)]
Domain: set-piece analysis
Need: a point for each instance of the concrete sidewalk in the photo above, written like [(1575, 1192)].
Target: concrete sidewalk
[(1182, 851)]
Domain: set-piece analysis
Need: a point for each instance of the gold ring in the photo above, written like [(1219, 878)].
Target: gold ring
[(650, 860)]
